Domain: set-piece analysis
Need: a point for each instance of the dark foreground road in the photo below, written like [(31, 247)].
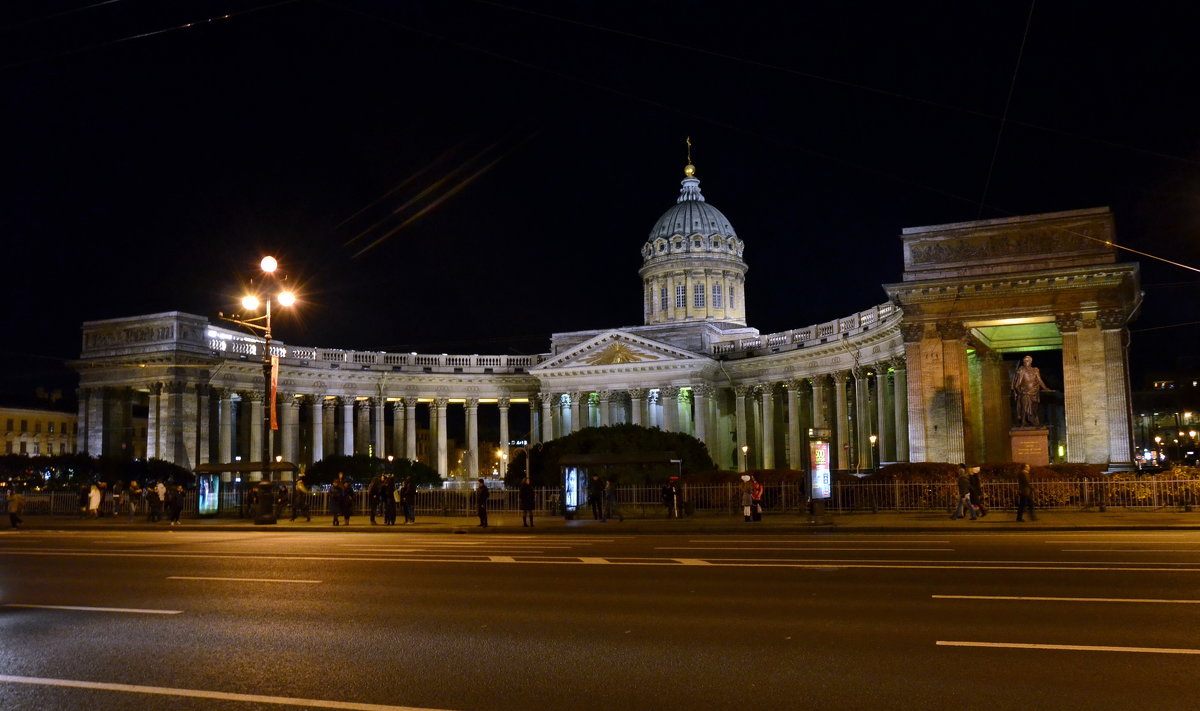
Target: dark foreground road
[(212, 620)]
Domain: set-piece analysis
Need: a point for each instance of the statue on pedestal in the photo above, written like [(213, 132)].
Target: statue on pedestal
[(1027, 387)]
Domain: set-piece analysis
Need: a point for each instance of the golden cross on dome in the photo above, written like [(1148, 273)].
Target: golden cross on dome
[(690, 169)]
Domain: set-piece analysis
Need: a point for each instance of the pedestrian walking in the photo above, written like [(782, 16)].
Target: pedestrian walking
[(339, 499), (611, 508), (481, 501), (93, 503), (977, 497), (964, 495), (153, 505), (747, 499), (670, 499), (16, 505), (373, 489), (1025, 495), (756, 497), (525, 496), (596, 497), (175, 504), (133, 499), (387, 496), (300, 503), (408, 500)]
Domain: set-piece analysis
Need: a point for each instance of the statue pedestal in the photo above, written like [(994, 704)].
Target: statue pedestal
[(1030, 445)]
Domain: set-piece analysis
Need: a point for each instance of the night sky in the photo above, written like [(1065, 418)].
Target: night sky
[(471, 176)]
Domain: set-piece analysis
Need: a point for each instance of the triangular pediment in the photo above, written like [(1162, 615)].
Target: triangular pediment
[(617, 349)]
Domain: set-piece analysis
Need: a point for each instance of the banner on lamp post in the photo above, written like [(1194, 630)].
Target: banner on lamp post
[(274, 388)]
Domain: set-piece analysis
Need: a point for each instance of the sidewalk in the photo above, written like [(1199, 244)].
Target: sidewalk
[(703, 523)]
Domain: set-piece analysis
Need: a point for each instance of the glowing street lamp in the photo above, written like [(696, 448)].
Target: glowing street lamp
[(874, 439), (262, 324)]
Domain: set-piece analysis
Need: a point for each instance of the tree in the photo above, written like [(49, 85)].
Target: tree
[(615, 439), (362, 468)]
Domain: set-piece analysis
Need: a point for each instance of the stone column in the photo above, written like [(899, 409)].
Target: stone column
[(637, 406), (766, 391), (605, 414), (1116, 378), (883, 445), (502, 404), (81, 421), (255, 400), (1068, 326), (348, 404), (225, 423), (670, 408), (381, 447), (701, 402), (740, 392), (362, 426), (329, 408), (841, 458), (793, 433), (153, 437), (820, 407), (410, 428), (398, 449), (289, 434), (472, 407), (317, 418), (547, 416), (535, 420), (864, 426), (203, 424), (443, 454), (900, 408), (578, 406), (952, 406)]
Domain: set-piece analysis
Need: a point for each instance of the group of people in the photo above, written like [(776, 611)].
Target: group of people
[(971, 499), (752, 494), (602, 497), (384, 497), (159, 498)]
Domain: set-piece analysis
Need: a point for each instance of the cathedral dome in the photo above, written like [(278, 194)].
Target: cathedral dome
[(691, 215)]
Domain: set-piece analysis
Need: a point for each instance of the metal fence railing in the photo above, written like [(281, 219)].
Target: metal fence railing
[(646, 501)]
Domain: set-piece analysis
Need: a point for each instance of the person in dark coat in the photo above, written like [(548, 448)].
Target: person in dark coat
[(336, 495), (611, 508), (964, 495), (408, 500), (373, 490), (1025, 495), (525, 495), (175, 504), (387, 496), (669, 495), (976, 488), (153, 505), (596, 497), (481, 500), (300, 505)]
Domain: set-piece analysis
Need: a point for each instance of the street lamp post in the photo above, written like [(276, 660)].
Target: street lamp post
[(874, 439), (262, 324)]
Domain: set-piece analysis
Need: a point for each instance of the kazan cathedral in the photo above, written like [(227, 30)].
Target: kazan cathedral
[(923, 377)]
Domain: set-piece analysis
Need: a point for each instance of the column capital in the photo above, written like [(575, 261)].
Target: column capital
[(603, 395), (441, 402), (912, 332), (1112, 319), (703, 390), (742, 390), (951, 330), (898, 364), (472, 403), (669, 391), (819, 380), (1068, 322), (362, 405), (637, 393), (291, 401), (576, 397), (503, 402), (254, 395), (397, 404)]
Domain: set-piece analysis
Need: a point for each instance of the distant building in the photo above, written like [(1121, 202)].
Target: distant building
[(36, 432), (922, 377)]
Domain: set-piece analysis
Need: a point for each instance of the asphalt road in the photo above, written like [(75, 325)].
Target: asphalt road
[(219, 620)]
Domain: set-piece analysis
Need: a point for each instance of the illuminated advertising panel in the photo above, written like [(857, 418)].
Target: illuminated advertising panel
[(821, 487), (208, 494)]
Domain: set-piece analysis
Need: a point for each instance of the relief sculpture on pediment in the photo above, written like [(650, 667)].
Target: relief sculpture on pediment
[(618, 353)]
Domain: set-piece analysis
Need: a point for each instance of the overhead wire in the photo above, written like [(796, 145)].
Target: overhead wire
[(1012, 88)]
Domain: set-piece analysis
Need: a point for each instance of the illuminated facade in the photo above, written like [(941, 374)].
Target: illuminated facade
[(909, 379), (33, 432)]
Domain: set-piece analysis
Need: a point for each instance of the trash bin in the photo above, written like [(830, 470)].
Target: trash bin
[(266, 504)]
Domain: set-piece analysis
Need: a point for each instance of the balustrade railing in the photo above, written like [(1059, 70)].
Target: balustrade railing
[(799, 336)]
